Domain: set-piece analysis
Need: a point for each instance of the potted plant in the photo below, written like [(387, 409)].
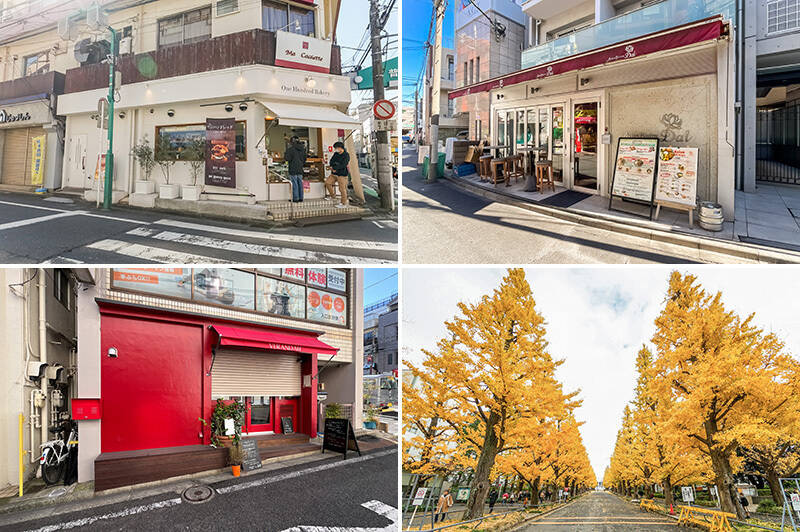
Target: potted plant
[(166, 156), (195, 155), (233, 410), (235, 457), (143, 154), (371, 417), (333, 411)]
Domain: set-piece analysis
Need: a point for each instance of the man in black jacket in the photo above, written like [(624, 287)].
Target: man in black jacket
[(296, 157), (339, 174)]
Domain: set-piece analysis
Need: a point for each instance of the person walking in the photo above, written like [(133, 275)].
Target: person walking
[(339, 173), (295, 155), (743, 501), (444, 504), (492, 499)]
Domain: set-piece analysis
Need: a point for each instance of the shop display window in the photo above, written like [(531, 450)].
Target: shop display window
[(224, 286), (277, 140), (181, 136)]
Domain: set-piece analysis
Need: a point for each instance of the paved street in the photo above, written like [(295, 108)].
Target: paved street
[(443, 224), (58, 230), (359, 493), (601, 512)]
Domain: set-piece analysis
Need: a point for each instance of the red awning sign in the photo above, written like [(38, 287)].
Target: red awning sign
[(626, 50), (383, 109), (272, 340)]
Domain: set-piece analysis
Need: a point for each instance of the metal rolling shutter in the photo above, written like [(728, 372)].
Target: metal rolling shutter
[(16, 168), (255, 373)]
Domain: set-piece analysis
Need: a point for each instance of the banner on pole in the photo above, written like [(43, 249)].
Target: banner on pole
[(37, 159)]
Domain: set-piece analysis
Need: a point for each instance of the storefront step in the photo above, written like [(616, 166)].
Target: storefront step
[(326, 212)]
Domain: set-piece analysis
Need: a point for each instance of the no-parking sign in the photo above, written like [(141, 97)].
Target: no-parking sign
[(383, 109)]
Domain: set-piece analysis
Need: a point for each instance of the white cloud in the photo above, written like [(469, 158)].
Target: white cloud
[(597, 319)]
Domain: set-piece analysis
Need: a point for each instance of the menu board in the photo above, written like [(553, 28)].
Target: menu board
[(251, 457), (339, 436), (677, 175), (635, 168)]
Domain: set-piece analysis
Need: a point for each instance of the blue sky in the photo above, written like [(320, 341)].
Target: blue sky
[(416, 21), (379, 283)]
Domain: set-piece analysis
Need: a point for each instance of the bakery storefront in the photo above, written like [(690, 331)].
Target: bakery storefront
[(675, 85), (30, 145), (163, 369)]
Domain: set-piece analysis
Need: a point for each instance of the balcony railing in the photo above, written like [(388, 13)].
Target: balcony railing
[(651, 19), (32, 86), (253, 47)]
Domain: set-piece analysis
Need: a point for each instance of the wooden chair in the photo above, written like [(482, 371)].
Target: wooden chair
[(544, 175), (515, 169), (495, 164), (484, 168)]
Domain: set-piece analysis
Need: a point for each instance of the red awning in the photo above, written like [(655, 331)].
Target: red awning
[(657, 42), (276, 341)]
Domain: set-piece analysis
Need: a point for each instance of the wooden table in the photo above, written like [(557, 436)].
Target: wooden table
[(497, 150)]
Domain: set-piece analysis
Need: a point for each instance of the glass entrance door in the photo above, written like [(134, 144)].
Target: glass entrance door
[(584, 146), (258, 414), (557, 140)]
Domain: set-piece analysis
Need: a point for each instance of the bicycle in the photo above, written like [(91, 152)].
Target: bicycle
[(55, 452)]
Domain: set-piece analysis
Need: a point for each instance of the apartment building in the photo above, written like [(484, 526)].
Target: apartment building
[(380, 337), (600, 70), (270, 68), (451, 120)]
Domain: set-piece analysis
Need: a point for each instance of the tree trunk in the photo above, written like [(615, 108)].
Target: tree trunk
[(774, 485), (480, 485), (535, 491), (723, 479), (668, 497)]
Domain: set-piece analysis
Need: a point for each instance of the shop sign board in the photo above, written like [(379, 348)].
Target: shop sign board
[(251, 459), (174, 282), (635, 169), (337, 280), (339, 437), (287, 425), (390, 76), (419, 496), (301, 52), (687, 494), (295, 273), (317, 277), (37, 159), (677, 176), (8, 117), (326, 307), (221, 152)]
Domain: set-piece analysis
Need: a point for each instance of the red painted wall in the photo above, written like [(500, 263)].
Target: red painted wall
[(152, 393)]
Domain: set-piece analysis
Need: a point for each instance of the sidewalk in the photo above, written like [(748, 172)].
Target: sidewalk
[(765, 227)]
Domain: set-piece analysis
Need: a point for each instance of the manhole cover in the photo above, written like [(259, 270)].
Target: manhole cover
[(197, 494)]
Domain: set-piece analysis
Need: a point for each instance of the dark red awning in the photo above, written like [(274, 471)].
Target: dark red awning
[(657, 42), (276, 341)]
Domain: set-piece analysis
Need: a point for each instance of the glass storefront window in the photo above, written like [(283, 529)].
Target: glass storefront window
[(173, 282), (501, 128), (181, 138), (281, 298), (520, 128), (224, 286), (259, 410), (327, 307)]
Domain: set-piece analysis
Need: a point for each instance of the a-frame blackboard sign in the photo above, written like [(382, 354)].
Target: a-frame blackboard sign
[(339, 437)]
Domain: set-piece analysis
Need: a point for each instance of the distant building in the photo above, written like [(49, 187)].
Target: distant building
[(380, 337), (451, 120)]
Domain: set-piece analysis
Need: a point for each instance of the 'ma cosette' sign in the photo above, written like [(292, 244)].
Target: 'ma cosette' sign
[(304, 53)]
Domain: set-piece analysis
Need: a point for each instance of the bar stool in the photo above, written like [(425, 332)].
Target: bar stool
[(495, 164), (484, 169), (544, 175), (515, 169)]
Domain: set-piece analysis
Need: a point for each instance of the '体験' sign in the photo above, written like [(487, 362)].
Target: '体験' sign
[(301, 52)]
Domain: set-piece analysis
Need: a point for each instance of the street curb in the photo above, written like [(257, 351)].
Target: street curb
[(637, 228)]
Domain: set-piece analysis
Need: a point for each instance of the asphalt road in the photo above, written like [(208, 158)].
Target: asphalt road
[(443, 224), (601, 512), (59, 230), (357, 493)]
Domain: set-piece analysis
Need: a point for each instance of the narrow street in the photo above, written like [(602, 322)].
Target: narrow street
[(59, 230), (443, 224), (601, 512), (359, 493)]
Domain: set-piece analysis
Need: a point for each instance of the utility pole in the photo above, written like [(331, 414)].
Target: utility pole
[(108, 183), (383, 151), (416, 117), (436, 93)]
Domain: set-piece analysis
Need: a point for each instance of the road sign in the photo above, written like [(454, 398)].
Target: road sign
[(102, 113), (795, 501), (419, 496), (385, 125), (687, 494), (383, 109)]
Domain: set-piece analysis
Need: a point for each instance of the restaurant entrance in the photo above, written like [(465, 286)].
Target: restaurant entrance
[(585, 160)]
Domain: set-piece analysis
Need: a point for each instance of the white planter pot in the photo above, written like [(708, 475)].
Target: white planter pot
[(190, 192), (144, 187), (169, 191)]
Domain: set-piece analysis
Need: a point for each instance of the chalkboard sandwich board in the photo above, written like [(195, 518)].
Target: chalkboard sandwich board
[(634, 175), (339, 437), (251, 459), (286, 425)]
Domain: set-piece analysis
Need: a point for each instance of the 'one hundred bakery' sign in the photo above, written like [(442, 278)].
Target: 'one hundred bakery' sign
[(9, 117), (301, 52)]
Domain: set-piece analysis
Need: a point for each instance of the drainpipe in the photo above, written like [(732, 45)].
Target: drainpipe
[(739, 99), (43, 353), (536, 32)]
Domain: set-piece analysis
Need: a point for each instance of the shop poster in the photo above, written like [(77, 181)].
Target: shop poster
[(326, 307), (635, 168), (221, 152), (37, 159), (677, 176)]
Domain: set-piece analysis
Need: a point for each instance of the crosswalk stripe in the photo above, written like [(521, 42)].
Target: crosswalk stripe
[(29, 221), (370, 245), (252, 249), (61, 260), (163, 256)]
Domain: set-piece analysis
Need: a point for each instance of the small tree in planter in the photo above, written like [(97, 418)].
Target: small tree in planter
[(333, 411), (143, 155), (195, 154), (235, 458), (233, 410), (370, 417), (166, 157)]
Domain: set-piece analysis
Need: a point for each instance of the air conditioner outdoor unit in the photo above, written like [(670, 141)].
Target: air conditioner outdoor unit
[(125, 45)]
